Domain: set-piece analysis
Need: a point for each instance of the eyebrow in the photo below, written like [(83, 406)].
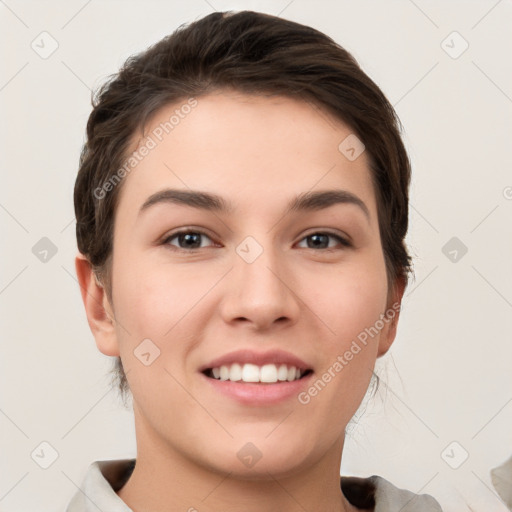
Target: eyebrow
[(308, 201)]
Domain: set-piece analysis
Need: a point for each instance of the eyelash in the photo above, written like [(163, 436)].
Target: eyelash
[(343, 242)]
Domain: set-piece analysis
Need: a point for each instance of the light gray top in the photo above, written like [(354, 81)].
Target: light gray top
[(104, 478)]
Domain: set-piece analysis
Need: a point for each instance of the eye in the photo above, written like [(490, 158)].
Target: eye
[(186, 239), (319, 239)]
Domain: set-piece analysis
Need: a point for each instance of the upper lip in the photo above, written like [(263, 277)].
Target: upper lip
[(258, 358)]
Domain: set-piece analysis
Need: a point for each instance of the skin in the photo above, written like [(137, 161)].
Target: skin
[(258, 152)]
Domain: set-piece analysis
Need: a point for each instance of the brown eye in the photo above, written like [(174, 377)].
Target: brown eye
[(187, 239), (320, 240)]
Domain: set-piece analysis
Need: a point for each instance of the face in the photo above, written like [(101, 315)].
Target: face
[(280, 291)]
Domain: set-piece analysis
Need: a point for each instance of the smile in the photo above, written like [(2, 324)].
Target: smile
[(267, 373)]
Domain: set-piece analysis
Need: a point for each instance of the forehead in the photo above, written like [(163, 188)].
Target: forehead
[(258, 151)]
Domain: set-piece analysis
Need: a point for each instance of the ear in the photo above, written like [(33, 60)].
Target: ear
[(392, 313), (97, 307)]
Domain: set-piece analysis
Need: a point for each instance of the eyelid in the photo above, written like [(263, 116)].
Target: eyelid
[(344, 240), (186, 229)]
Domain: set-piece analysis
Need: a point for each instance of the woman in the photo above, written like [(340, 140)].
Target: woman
[(241, 206)]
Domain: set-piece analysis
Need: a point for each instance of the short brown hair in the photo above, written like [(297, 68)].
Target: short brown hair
[(253, 53)]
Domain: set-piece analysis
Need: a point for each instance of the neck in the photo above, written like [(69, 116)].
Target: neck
[(164, 479)]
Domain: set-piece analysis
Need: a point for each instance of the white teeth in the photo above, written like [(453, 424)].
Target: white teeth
[(250, 373), (282, 373), (235, 373), (224, 373), (268, 373)]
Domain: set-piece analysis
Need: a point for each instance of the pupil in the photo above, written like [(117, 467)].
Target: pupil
[(316, 237), (189, 237)]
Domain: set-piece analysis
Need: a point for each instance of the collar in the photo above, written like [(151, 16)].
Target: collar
[(373, 494)]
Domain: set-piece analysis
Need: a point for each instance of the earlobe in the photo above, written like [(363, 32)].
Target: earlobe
[(97, 308)]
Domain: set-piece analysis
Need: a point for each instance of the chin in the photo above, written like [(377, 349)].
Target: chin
[(258, 457)]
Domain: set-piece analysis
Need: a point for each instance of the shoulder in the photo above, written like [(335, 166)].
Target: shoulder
[(378, 494), (99, 486), (104, 478)]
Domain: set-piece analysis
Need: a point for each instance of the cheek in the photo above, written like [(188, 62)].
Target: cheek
[(349, 299), (349, 306), (153, 305), (152, 297), (164, 303), (341, 381)]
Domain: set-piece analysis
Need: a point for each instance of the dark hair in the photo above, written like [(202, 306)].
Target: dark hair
[(252, 53)]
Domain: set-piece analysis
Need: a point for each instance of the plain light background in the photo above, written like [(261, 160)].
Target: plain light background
[(448, 375)]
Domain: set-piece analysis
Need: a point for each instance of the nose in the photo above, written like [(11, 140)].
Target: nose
[(260, 293)]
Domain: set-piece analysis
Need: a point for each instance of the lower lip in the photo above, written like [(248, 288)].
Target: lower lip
[(256, 393)]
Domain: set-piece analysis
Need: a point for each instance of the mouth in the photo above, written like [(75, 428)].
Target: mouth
[(254, 378), (255, 374)]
